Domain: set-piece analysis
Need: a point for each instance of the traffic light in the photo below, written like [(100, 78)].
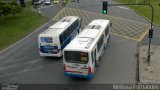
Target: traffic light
[(105, 7), (150, 33)]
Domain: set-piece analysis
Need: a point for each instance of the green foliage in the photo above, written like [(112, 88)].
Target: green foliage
[(15, 8), (9, 8), (145, 10), (13, 29)]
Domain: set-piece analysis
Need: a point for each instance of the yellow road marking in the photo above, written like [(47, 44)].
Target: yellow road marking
[(124, 36), (143, 35), (54, 18), (121, 27)]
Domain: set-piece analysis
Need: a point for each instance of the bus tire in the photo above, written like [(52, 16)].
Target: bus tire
[(105, 46), (97, 65)]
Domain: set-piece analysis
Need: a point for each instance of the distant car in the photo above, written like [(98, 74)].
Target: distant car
[(48, 2), (56, 1), (37, 2)]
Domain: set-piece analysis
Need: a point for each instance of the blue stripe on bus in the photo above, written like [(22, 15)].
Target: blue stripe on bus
[(44, 49), (71, 36), (89, 76), (48, 49)]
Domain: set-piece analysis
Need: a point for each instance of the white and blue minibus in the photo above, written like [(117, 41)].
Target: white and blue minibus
[(53, 40)]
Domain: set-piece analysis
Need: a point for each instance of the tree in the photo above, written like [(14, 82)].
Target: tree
[(15, 8), (6, 9), (1, 8), (9, 8)]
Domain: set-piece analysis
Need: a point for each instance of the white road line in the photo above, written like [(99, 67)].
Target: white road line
[(19, 65), (47, 6), (4, 68), (123, 7), (27, 70)]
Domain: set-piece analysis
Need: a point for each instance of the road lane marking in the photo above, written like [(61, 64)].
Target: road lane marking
[(27, 70), (143, 35), (123, 7), (122, 27), (58, 14), (18, 65)]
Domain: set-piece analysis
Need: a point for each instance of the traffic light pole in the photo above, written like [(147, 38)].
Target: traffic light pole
[(150, 30)]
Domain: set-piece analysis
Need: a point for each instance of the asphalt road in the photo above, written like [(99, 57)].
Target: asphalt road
[(118, 11), (22, 63)]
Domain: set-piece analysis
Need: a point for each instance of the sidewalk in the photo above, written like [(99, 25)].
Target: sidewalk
[(149, 73)]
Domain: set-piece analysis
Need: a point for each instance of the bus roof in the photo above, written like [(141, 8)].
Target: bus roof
[(59, 26), (87, 39)]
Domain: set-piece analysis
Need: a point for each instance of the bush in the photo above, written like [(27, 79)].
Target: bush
[(15, 8), (9, 8)]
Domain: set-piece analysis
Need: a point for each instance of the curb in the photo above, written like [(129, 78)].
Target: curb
[(19, 41)]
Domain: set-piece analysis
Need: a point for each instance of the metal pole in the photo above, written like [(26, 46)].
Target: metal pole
[(148, 60), (149, 56), (150, 30)]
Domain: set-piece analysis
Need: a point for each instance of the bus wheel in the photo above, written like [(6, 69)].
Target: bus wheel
[(105, 46), (97, 65)]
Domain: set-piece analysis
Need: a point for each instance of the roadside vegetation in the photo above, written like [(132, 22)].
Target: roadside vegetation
[(66, 1), (17, 23), (146, 10)]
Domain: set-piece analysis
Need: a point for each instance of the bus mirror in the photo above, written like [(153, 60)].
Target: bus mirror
[(46, 27)]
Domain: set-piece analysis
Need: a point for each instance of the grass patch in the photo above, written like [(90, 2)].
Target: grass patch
[(146, 10), (15, 28), (66, 2)]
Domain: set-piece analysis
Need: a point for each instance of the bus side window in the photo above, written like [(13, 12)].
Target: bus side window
[(95, 54), (76, 23), (92, 57), (95, 57), (106, 31), (100, 42), (69, 30), (72, 27), (61, 38)]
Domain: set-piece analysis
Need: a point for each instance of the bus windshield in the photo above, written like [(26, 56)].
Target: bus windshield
[(46, 39), (76, 57)]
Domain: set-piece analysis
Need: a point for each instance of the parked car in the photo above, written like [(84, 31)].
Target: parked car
[(47, 2), (37, 2), (56, 1)]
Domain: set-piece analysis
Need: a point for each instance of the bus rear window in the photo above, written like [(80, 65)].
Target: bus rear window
[(76, 57), (46, 39)]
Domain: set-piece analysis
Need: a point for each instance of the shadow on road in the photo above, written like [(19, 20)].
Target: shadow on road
[(52, 58)]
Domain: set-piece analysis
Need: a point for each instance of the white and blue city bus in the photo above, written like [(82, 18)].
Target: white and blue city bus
[(53, 40), (81, 56)]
